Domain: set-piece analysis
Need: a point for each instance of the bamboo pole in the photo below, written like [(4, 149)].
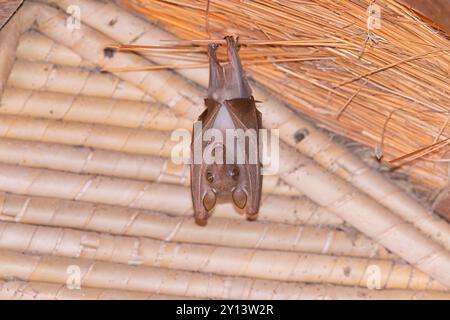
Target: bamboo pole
[(146, 195), (373, 220), (104, 111), (9, 38), (333, 240), (230, 232), (34, 46), (173, 282), (391, 231), (90, 45), (71, 80), (84, 160), (251, 263), (136, 141), (21, 290), (314, 144), (110, 163)]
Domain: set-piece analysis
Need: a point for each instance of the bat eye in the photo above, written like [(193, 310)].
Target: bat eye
[(235, 172), (209, 176)]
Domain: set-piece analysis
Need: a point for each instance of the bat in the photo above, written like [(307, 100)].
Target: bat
[(441, 205), (229, 106)]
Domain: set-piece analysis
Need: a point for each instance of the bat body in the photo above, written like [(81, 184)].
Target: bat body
[(230, 108), (442, 204)]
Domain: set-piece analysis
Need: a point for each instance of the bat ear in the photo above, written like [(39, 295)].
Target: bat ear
[(209, 200), (239, 198)]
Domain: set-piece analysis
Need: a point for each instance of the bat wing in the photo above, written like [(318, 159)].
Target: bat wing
[(198, 184), (246, 116)]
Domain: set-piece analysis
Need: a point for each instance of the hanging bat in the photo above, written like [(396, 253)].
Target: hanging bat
[(229, 105), (441, 205)]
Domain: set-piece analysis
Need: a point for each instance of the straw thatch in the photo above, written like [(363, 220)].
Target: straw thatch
[(87, 180), (385, 87)]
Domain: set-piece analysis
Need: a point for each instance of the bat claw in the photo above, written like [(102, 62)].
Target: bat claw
[(232, 42), (212, 48)]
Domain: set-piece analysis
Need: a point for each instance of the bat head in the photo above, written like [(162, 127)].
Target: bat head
[(222, 178)]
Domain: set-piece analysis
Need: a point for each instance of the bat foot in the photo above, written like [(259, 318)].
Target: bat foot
[(212, 49), (231, 43), (201, 218), (251, 216), (201, 222)]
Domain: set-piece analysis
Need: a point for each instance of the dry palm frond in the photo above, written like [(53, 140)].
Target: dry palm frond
[(405, 64), (422, 151)]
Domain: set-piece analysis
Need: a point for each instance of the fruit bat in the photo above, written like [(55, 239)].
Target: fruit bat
[(229, 106)]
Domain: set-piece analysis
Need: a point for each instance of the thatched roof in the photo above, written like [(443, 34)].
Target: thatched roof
[(87, 183), (386, 87)]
